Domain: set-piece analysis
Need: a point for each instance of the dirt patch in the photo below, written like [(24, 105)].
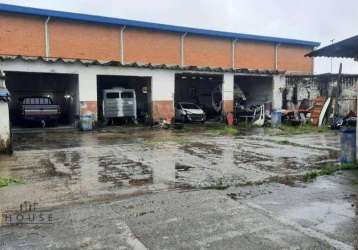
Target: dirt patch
[(181, 167), (119, 171), (202, 150), (50, 169)]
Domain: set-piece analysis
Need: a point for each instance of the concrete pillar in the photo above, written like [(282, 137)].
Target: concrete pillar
[(163, 87), (5, 138), (228, 93), (88, 93), (278, 85)]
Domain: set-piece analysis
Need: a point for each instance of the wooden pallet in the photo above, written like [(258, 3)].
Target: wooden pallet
[(317, 109)]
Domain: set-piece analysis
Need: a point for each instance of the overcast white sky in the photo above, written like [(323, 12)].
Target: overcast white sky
[(316, 20)]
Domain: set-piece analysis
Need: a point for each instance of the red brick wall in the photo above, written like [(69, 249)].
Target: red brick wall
[(88, 107), (204, 51), (148, 46), (22, 35), (84, 40), (228, 106), (292, 59), (163, 109), (252, 55)]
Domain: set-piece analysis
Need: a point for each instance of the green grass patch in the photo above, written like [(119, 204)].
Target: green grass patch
[(219, 185), (292, 130), (328, 169), (285, 142), (7, 181), (228, 131), (223, 129)]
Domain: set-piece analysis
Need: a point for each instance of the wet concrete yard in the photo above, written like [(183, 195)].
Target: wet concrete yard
[(143, 188), (84, 165)]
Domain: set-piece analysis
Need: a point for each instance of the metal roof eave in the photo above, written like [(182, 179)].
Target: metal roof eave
[(89, 62), (347, 48), (148, 25)]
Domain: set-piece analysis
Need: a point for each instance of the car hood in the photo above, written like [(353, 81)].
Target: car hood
[(194, 111)]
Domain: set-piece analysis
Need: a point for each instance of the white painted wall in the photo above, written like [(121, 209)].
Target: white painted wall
[(163, 86), (163, 81), (4, 124), (228, 87), (87, 86), (279, 83)]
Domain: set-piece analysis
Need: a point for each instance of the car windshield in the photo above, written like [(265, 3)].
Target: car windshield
[(127, 95), (112, 95), (189, 106)]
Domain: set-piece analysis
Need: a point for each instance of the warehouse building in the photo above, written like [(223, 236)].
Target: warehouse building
[(74, 57)]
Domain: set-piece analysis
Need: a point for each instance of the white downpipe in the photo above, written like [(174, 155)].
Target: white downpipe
[(47, 41), (233, 51), (182, 53), (122, 43), (276, 56)]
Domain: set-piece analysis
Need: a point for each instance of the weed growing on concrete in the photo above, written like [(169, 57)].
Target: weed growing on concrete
[(328, 170), (285, 142), (222, 129), (294, 130), (6, 181)]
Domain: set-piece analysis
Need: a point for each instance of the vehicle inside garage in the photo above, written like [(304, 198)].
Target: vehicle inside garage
[(142, 89), (204, 90), (252, 95), (45, 99)]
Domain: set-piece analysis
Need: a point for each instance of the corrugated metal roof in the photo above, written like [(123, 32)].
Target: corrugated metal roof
[(88, 62), (148, 25), (346, 49)]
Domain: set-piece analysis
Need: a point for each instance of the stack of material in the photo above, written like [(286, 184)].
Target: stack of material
[(317, 109)]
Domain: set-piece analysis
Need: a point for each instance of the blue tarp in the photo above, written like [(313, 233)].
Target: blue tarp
[(4, 93)]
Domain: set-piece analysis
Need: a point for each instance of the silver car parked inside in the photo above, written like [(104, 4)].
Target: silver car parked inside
[(189, 112)]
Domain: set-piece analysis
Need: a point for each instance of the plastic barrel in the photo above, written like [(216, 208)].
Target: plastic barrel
[(86, 122), (276, 117), (348, 145), (230, 119)]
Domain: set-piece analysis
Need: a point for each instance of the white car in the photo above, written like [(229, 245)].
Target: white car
[(189, 112)]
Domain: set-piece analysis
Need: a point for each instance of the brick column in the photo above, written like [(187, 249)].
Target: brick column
[(228, 93)]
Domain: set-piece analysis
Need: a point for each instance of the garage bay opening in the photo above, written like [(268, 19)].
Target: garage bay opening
[(195, 92), (42, 99), (253, 97), (123, 99)]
